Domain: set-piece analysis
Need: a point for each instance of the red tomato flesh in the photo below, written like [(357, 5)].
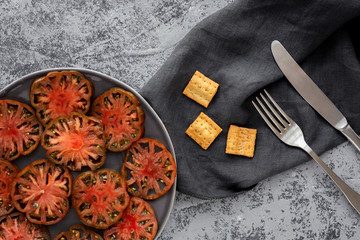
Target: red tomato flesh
[(75, 141), (122, 116), (99, 197), (150, 169), (8, 173), (60, 93), (41, 190), (16, 227), (138, 222), (78, 232), (20, 131)]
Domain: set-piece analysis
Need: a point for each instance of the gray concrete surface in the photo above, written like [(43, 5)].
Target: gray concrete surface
[(129, 40)]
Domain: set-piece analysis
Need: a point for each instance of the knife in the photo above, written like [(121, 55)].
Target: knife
[(312, 93)]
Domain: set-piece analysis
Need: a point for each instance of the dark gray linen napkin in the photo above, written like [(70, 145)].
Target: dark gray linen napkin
[(232, 47)]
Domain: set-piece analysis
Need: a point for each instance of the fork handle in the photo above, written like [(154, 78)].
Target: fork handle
[(352, 196)]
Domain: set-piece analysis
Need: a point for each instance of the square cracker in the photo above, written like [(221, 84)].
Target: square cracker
[(203, 130), (201, 89), (241, 141)]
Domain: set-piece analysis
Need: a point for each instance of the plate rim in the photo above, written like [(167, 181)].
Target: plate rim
[(13, 84)]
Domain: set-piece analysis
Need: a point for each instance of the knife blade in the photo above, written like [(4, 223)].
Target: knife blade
[(306, 87)]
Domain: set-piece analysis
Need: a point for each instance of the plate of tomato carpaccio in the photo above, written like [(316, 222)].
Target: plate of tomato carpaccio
[(82, 156)]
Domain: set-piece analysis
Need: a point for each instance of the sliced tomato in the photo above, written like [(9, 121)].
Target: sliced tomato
[(20, 131), (78, 232), (17, 227), (99, 197), (41, 190), (122, 116), (75, 141), (138, 222), (60, 93), (150, 169), (8, 173)]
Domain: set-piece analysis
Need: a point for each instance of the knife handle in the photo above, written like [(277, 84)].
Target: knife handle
[(351, 135)]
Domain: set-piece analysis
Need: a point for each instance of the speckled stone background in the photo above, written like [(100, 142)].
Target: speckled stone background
[(129, 40)]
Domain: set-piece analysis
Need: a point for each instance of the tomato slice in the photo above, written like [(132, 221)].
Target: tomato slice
[(17, 227), (99, 197), (78, 232), (75, 141), (20, 131), (138, 222), (60, 93), (8, 173), (41, 190), (150, 169), (122, 116)]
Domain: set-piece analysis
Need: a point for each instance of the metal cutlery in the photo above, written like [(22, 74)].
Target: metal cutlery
[(291, 134), (312, 93)]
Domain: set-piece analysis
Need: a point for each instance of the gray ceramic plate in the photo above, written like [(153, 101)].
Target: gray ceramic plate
[(154, 128)]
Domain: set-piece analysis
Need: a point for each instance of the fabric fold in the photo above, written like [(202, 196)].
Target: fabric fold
[(232, 47)]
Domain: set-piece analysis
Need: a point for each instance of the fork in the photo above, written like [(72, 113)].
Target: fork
[(291, 134)]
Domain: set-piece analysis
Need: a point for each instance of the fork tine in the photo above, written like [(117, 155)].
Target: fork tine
[(271, 126), (279, 108), (270, 116), (281, 119)]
